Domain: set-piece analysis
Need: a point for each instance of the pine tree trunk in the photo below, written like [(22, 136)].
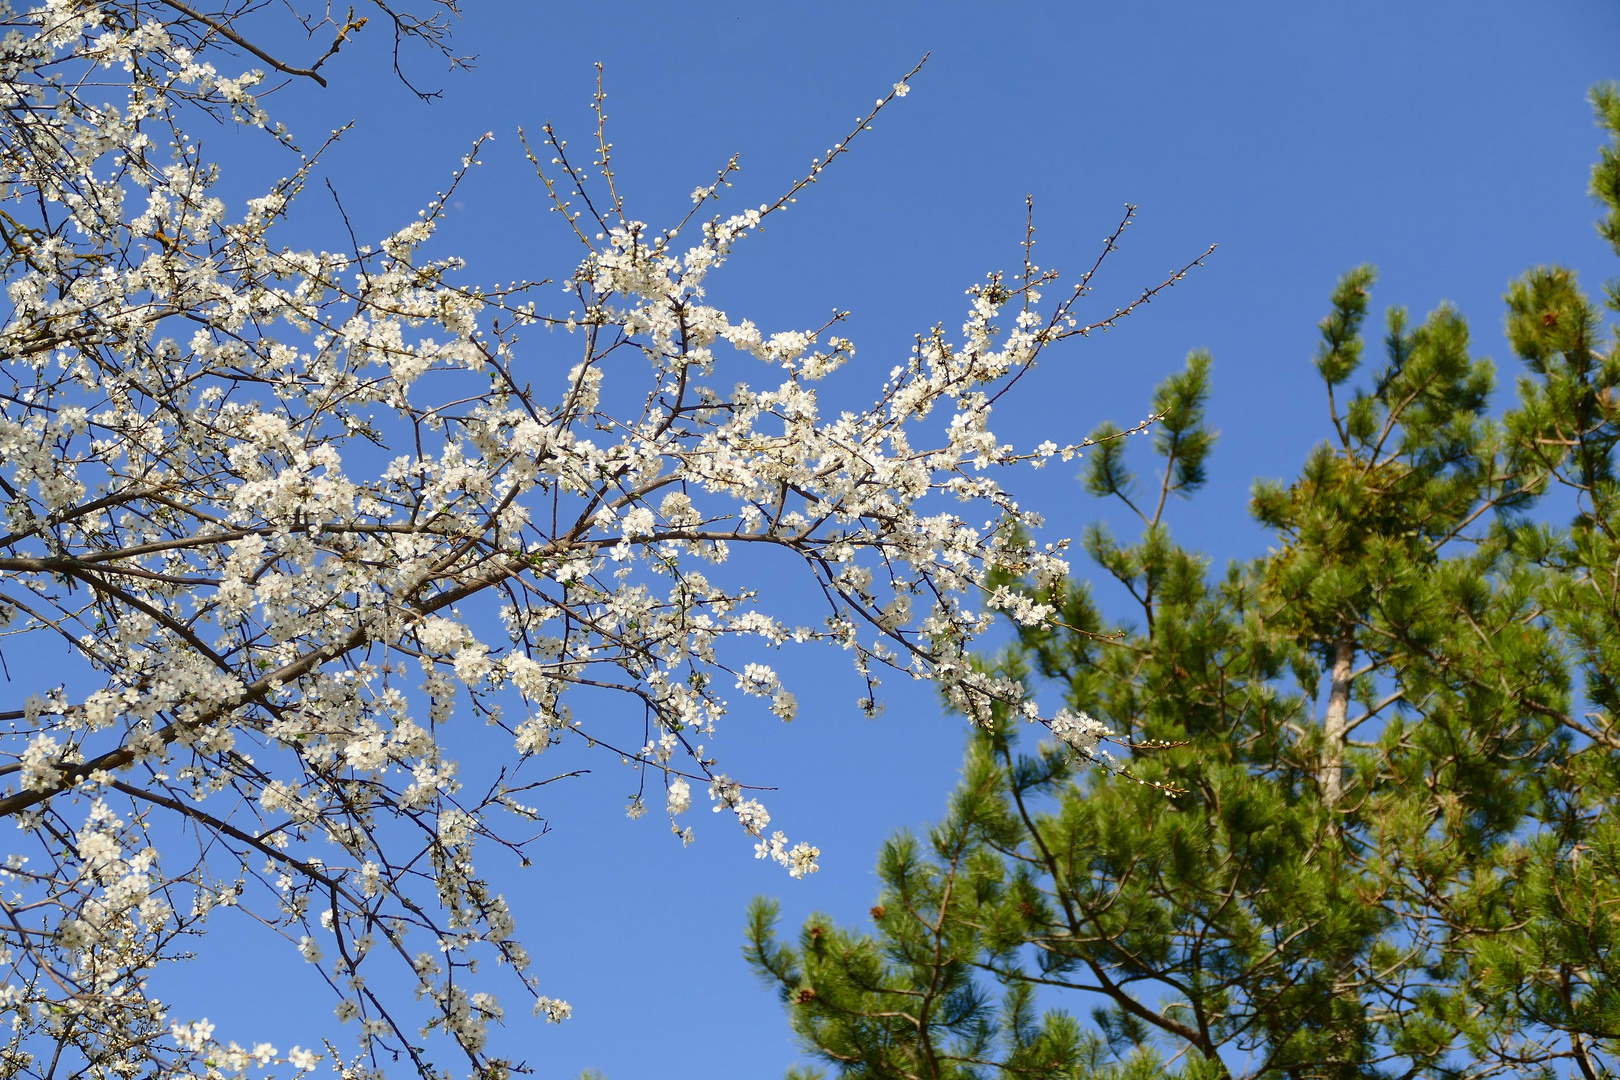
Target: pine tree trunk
[(1335, 729)]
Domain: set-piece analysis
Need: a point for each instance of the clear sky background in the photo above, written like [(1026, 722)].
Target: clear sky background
[(1447, 143)]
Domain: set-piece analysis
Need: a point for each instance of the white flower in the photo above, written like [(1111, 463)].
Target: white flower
[(757, 679), (679, 796), (440, 635), (802, 859), (301, 1059), (553, 1010), (1079, 731), (473, 664), (638, 522), (192, 1037)]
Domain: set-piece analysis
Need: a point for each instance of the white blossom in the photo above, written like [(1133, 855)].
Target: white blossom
[(301, 1059), (255, 487), (1079, 731), (679, 794)]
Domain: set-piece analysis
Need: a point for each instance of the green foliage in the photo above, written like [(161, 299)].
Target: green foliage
[(1606, 173), (1340, 352), (1181, 436), (1398, 851), (1105, 472)]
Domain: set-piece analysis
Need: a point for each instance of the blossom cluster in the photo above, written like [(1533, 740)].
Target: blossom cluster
[(300, 512)]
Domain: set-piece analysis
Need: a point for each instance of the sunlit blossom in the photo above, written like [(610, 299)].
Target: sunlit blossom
[(306, 515)]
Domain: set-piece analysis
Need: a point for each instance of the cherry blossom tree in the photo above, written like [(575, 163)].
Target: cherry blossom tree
[(290, 509)]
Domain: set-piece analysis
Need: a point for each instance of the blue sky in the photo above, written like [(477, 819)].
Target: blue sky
[(1446, 143)]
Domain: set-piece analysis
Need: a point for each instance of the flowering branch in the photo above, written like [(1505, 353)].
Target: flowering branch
[(253, 488)]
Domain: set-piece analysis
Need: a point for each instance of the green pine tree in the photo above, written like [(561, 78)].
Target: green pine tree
[(1544, 951), (1397, 851)]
